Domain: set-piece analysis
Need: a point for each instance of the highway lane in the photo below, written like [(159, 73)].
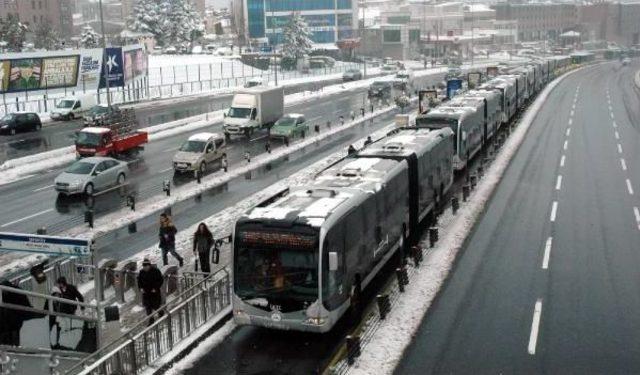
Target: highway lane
[(61, 133), (548, 280), (32, 203)]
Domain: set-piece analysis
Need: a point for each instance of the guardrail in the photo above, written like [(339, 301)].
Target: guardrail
[(143, 344)]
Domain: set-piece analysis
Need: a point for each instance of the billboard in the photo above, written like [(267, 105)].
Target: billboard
[(135, 64), (453, 86), (38, 73), (90, 65), (33, 243), (113, 68)]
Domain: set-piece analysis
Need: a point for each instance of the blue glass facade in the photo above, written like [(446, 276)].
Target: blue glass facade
[(326, 28)]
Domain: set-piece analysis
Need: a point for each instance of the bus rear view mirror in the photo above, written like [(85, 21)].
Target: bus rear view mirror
[(333, 261)]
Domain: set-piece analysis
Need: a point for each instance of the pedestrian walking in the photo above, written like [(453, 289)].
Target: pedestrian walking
[(368, 141), (247, 156), (351, 150), (149, 282), (353, 115), (225, 166), (70, 292), (202, 243), (267, 147), (12, 319), (167, 236)]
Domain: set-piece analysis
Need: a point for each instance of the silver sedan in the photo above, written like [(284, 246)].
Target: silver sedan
[(90, 175)]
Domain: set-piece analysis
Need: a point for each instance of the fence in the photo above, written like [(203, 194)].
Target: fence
[(166, 82), (143, 344)]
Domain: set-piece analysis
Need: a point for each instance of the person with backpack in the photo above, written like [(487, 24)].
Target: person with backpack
[(202, 243), (167, 235)]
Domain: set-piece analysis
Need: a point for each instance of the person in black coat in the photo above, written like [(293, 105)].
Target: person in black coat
[(12, 319), (69, 291), (150, 281), (202, 243), (167, 235)]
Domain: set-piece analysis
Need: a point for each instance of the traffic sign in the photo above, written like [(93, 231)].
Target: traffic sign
[(34, 243)]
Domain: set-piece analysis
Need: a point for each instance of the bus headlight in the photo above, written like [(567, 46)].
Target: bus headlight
[(241, 314), (315, 321)]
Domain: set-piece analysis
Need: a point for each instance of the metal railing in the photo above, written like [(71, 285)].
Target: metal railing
[(143, 344)]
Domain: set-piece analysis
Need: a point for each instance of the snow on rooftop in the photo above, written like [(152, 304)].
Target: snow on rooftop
[(322, 207), (204, 136), (95, 130)]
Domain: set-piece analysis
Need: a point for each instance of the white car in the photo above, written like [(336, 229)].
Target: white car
[(90, 175)]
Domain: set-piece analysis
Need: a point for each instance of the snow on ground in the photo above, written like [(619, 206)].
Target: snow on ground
[(386, 348)]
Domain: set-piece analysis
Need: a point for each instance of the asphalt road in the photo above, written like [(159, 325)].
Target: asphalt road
[(32, 203), (62, 133), (547, 282)]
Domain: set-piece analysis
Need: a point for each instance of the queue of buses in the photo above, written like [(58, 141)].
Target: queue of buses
[(302, 258)]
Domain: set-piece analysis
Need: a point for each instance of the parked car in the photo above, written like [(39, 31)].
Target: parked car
[(90, 175), (199, 151), (13, 123), (97, 113), (380, 89), (328, 60), (255, 81), (171, 50), (389, 69), (290, 126), (317, 63), (352, 75)]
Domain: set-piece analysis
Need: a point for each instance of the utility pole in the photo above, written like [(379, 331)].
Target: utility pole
[(104, 55)]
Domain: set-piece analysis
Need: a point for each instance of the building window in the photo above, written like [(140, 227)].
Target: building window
[(344, 4), (40, 4), (35, 19), (345, 20), (33, 4), (298, 5), (391, 36), (255, 15), (414, 36), (398, 19)]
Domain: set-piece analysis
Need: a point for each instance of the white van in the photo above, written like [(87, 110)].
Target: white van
[(72, 107), (199, 151)]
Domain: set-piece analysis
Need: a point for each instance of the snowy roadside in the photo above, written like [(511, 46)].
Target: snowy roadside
[(395, 333)]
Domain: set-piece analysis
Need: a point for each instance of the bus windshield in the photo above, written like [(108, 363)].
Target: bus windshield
[(276, 268)]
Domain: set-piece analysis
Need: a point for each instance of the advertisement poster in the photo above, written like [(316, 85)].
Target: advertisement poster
[(113, 68), (135, 64), (474, 79), (425, 98), (25, 74), (90, 65), (453, 86), (129, 62), (59, 71), (492, 71), (141, 63), (4, 75)]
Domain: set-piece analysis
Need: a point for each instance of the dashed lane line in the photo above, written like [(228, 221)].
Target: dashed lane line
[(547, 253), (535, 326), (623, 164), (562, 161), (629, 187), (554, 211)]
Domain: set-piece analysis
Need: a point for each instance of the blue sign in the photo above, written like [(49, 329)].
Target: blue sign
[(34, 243), (453, 86), (114, 66)]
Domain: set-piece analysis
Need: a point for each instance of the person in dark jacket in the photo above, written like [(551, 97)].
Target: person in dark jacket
[(150, 281), (167, 236), (202, 243), (368, 141), (69, 291), (351, 150), (12, 319)]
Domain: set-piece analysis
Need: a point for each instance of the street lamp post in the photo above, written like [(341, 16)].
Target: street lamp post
[(104, 55)]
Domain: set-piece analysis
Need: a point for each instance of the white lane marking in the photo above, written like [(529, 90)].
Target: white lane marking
[(535, 326), (612, 117), (26, 218), (570, 121), (624, 164), (562, 161), (43, 188), (616, 135), (619, 148), (554, 211), (610, 109), (615, 125), (547, 253), (568, 132), (165, 170), (629, 187), (559, 183), (566, 144), (572, 112), (637, 213)]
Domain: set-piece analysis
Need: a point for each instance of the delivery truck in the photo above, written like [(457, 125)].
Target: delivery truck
[(116, 137), (252, 109)]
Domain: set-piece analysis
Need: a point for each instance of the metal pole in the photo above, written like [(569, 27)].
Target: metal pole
[(104, 55)]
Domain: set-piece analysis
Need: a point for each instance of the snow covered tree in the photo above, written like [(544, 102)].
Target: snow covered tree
[(297, 37), (89, 38), (46, 37), (13, 32), (402, 101), (147, 17)]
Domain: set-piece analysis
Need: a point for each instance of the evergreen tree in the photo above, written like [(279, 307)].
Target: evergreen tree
[(13, 32), (46, 37), (89, 38), (297, 37), (172, 22), (147, 17)]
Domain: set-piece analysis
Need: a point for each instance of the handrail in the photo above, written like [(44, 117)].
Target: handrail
[(178, 306)]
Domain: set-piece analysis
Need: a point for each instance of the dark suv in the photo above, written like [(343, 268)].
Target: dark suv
[(19, 122), (380, 89)]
